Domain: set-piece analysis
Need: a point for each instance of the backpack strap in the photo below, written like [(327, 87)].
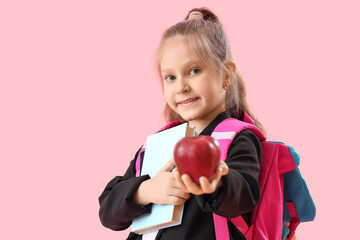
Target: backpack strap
[(294, 220), (138, 159), (224, 133), (298, 204), (137, 163)]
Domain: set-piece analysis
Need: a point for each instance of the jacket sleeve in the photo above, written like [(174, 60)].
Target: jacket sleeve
[(240, 190), (117, 209)]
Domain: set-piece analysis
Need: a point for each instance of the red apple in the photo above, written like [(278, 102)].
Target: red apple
[(197, 156)]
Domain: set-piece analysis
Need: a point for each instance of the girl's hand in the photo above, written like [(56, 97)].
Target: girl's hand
[(188, 185), (161, 189)]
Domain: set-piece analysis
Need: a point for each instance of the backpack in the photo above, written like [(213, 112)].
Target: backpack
[(284, 195)]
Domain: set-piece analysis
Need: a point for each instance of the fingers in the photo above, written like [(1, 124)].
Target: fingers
[(190, 185), (175, 200), (222, 168), (185, 183), (208, 187), (168, 166), (179, 181), (165, 190), (177, 192), (174, 196), (177, 195)]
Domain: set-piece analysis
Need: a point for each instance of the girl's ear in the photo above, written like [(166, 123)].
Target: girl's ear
[(229, 75)]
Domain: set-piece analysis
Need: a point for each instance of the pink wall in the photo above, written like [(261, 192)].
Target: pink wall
[(77, 85)]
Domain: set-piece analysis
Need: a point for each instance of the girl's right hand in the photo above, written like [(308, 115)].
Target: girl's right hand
[(161, 189)]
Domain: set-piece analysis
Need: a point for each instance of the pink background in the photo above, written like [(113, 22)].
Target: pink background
[(79, 95)]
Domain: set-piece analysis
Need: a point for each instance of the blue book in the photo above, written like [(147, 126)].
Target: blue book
[(159, 150)]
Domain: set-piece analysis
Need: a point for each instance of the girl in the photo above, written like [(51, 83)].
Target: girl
[(202, 86)]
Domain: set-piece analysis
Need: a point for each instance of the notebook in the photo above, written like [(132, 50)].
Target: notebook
[(159, 150)]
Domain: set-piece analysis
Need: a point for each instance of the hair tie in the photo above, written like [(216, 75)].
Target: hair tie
[(195, 15)]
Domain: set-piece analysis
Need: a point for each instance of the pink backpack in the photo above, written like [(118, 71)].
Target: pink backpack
[(284, 194)]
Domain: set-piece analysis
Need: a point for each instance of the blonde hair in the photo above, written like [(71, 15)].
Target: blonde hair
[(207, 38)]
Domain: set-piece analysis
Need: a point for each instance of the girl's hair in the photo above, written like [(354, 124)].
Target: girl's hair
[(208, 39)]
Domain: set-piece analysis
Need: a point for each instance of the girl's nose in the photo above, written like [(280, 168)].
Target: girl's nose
[(182, 85)]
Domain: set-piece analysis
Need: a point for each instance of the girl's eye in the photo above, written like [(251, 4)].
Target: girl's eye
[(169, 78), (194, 71)]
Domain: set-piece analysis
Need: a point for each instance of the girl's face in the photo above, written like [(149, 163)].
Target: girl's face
[(191, 87)]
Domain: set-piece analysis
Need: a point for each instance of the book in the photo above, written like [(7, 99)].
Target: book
[(159, 150)]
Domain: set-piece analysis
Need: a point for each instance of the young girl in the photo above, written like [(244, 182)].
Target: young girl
[(202, 86)]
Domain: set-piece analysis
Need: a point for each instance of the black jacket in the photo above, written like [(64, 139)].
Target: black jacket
[(238, 195)]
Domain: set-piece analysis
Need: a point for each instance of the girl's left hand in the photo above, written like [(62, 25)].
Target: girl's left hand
[(188, 185)]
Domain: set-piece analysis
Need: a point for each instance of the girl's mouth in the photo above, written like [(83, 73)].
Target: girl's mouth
[(188, 101)]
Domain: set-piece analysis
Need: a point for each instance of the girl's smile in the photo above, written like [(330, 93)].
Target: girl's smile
[(188, 101)]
